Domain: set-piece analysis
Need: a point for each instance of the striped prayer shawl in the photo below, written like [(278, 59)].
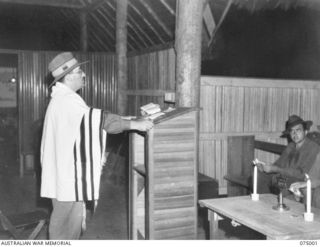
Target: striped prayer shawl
[(88, 155)]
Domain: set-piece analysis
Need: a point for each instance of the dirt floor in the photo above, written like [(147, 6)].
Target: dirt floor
[(109, 222)]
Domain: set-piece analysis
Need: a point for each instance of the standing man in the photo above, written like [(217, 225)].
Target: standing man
[(72, 147), (301, 156)]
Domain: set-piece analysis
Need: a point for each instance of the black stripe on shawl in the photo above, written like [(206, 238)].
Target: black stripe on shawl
[(100, 131), (75, 172), (91, 155), (83, 160)]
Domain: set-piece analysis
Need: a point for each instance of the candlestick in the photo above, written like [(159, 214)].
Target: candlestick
[(255, 175), (308, 196), (280, 198), (255, 195), (281, 183), (308, 215)]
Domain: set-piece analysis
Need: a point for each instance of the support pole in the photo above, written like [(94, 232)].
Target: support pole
[(121, 50), (188, 51), (188, 66), (84, 31)]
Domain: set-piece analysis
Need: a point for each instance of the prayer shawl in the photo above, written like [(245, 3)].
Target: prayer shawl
[(72, 148), (88, 156)]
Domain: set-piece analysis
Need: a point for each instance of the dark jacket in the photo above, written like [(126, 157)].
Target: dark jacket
[(298, 162)]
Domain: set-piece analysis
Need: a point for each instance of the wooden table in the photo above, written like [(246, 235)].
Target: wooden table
[(259, 216)]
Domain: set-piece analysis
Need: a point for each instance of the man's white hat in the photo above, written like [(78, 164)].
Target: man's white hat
[(61, 65)]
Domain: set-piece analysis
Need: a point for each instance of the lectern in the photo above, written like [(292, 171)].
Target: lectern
[(163, 178)]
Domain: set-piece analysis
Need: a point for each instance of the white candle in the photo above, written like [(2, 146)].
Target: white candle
[(255, 175), (308, 195)]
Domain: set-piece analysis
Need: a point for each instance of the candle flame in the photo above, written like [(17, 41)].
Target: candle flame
[(307, 176)]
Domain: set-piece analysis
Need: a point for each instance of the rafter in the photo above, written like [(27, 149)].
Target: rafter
[(104, 45), (224, 14), (132, 26), (73, 39), (51, 3), (102, 27), (106, 19), (156, 17), (171, 11), (135, 26), (208, 20), (95, 5), (147, 22), (138, 36)]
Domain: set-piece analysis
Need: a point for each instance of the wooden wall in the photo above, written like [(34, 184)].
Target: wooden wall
[(231, 106), (242, 106), (150, 75)]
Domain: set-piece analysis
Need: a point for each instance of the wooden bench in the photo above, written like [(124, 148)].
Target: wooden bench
[(240, 156), (207, 187)]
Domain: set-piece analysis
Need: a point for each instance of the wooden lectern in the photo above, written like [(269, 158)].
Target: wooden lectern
[(163, 178)]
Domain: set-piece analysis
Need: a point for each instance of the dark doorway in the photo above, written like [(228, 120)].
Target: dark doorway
[(8, 114)]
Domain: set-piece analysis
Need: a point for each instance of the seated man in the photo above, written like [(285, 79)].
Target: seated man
[(301, 156)]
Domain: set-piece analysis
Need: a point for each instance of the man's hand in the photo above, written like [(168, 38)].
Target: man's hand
[(259, 164), (141, 125), (297, 185), (260, 167), (268, 168), (263, 167), (295, 188)]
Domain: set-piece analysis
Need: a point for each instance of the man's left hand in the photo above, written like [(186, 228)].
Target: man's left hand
[(141, 125)]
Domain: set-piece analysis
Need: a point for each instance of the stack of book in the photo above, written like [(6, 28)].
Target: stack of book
[(151, 111)]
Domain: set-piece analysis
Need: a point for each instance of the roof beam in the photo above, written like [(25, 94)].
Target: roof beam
[(104, 29), (84, 30), (104, 45), (51, 3), (108, 17), (138, 36), (105, 15), (135, 26), (132, 27), (156, 17), (171, 11), (73, 39), (95, 5), (111, 20), (208, 20), (147, 22), (161, 47), (224, 14)]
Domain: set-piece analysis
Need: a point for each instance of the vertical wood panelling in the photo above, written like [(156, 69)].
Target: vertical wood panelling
[(152, 71), (33, 94), (242, 106)]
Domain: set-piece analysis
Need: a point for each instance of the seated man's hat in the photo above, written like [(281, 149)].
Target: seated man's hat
[(295, 120), (61, 65)]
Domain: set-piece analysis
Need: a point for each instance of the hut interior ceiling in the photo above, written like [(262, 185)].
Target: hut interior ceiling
[(56, 25)]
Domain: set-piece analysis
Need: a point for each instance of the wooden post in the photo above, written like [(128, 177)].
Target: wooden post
[(188, 49), (84, 30), (188, 59), (121, 50)]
